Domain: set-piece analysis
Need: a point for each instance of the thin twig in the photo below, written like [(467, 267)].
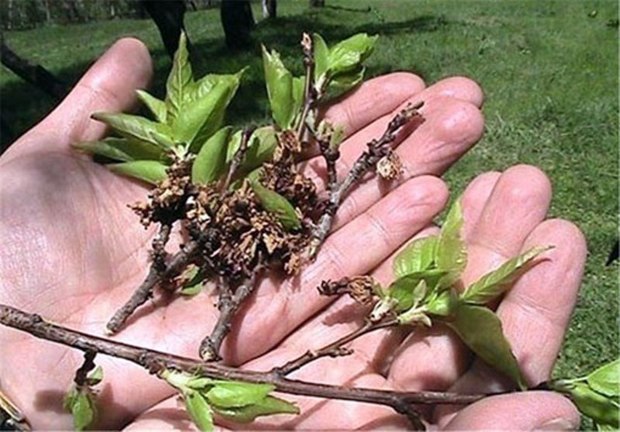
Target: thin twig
[(309, 91), (155, 362), (367, 160), (238, 158), (82, 373), (334, 349), (178, 262), (210, 346)]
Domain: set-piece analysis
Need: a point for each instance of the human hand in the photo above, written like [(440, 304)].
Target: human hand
[(505, 214), (73, 252)]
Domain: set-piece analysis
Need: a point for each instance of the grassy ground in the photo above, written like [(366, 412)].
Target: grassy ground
[(549, 70)]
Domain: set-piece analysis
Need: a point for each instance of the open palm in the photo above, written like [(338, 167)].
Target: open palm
[(73, 252)]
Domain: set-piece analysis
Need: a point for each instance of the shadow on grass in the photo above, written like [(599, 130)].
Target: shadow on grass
[(23, 105)]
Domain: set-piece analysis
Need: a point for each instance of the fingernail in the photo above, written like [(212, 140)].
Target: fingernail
[(558, 424)]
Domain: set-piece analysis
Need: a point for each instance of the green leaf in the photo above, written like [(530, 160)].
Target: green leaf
[(604, 410), (275, 203), (199, 410), (139, 128), (441, 303), (450, 251), (82, 407), (279, 83), (268, 406), (494, 283), (204, 116), (402, 289), (606, 379), (95, 376), (121, 149), (350, 53), (156, 106), (342, 83), (179, 81), (210, 163), (195, 281), (263, 143), (149, 171), (321, 58), (261, 146), (416, 257), (481, 330), (299, 84), (233, 394)]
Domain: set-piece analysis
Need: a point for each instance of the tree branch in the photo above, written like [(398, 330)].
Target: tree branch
[(156, 362), (309, 90), (155, 276), (228, 306), (334, 349), (367, 160), (238, 157)]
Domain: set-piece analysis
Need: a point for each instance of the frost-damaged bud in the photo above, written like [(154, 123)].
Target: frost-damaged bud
[(360, 288), (389, 166)]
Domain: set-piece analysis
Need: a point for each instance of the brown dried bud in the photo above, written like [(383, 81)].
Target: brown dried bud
[(389, 167), (360, 288)]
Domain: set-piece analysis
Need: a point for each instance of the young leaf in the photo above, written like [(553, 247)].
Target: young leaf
[(156, 106), (95, 376), (606, 379), (263, 143), (604, 410), (275, 203), (402, 289), (321, 58), (267, 406), (179, 81), (416, 257), (205, 84), (261, 146), (441, 303), (199, 410), (481, 330), (82, 408), (233, 394), (139, 128), (494, 283), (299, 84), (210, 163), (194, 281), (450, 251), (350, 53), (342, 83), (121, 149), (203, 117), (279, 83), (149, 171)]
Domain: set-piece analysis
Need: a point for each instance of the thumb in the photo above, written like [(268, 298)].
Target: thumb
[(109, 85), (534, 410)]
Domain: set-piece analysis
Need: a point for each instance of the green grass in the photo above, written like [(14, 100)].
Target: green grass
[(549, 71)]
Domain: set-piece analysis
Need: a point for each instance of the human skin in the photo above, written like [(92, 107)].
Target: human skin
[(73, 252)]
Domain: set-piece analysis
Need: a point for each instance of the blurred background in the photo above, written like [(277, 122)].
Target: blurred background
[(549, 71)]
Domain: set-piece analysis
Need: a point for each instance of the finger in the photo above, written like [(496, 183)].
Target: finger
[(450, 128), (518, 411), (355, 249), (109, 85), (372, 100), (434, 358)]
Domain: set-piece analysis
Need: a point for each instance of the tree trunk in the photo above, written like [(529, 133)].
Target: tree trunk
[(30, 72), (168, 16), (317, 3), (269, 8), (238, 21)]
